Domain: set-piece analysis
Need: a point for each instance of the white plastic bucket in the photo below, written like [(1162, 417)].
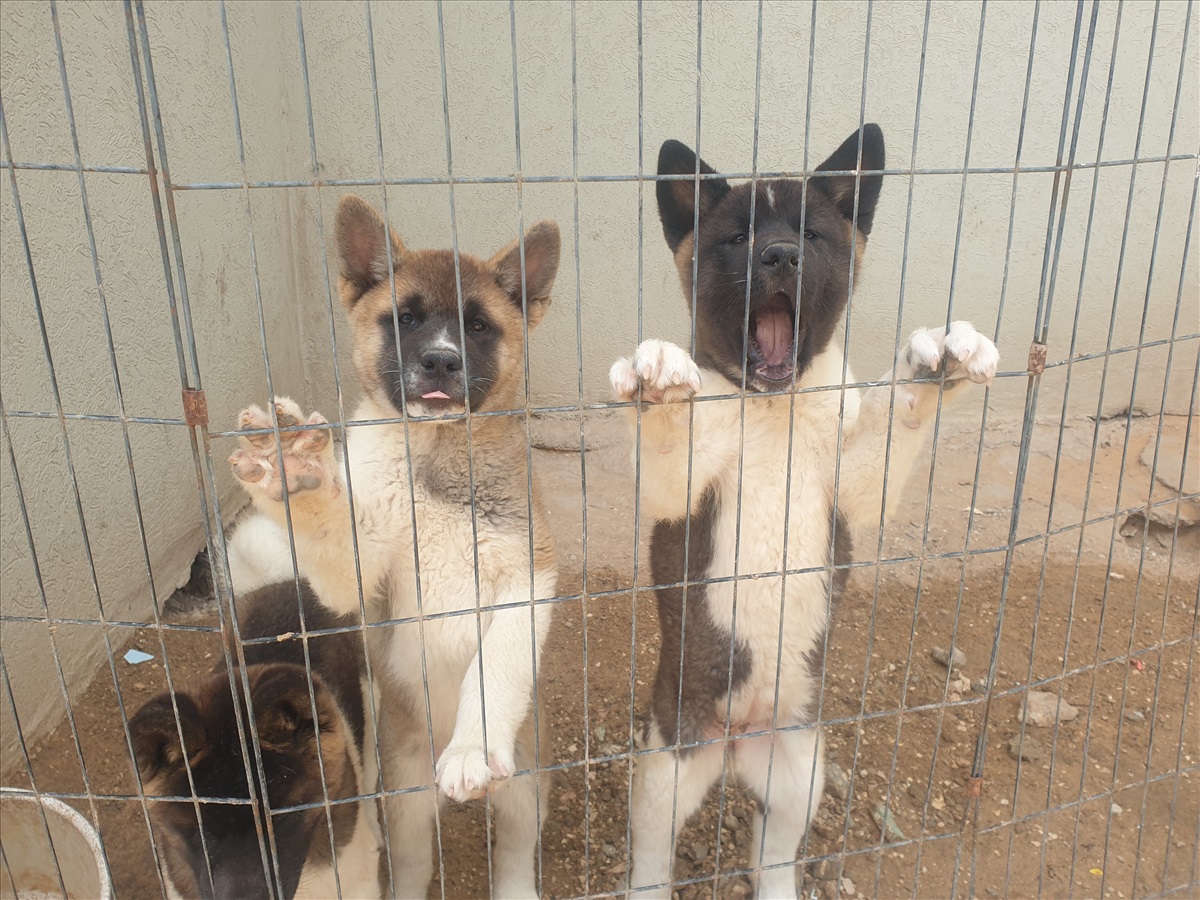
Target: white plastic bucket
[(29, 869)]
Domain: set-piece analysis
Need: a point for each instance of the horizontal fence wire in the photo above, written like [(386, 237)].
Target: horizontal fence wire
[(968, 833)]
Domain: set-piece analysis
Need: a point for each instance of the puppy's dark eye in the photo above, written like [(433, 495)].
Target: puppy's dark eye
[(478, 325), (739, 238), (810, 235), (407, 318)]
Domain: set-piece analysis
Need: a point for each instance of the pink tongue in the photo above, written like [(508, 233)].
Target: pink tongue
[(435, 395), (773, 332)]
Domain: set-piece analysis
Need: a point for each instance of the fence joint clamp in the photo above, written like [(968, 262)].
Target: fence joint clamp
[(195, 407), (1037, 358)]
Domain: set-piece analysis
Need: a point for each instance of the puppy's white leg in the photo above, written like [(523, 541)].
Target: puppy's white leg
[(962, 354), (318, 503), (466, 769), (675, 438), (410, 816), (410, 820), (655, 786), (797, 782), (521, 808), (259, 554)]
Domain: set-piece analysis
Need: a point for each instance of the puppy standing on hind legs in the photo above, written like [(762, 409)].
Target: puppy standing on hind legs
[(757, 678), (474, 523)]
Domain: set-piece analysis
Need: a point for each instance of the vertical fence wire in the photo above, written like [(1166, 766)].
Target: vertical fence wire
[(184, 332), (1053, 498), (539, 784), (395, 313), (233, 656), (185, 381), (278, 440), (372, 718), (52, 381), (468, 413)]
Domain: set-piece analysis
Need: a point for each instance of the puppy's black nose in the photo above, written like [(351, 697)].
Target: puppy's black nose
[(440, 362), (780, 255)]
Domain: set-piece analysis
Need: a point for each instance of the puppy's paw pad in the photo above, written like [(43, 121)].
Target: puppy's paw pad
[(467, 772), (306, 455), (664, 372)]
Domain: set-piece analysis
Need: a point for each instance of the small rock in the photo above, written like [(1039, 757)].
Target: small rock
[(1134, 715), (960, 685), (847, 886), (829, 828), (1043, 709), (1116, 810), (827, 869), (741, 837), (837, 781), (887, 823), (609, 850), (601, 731), (699, 851), (139, 686), (917, 792), (1025, 749), (951, 659)]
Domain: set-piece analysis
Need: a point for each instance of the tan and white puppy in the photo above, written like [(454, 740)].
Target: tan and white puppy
[(760, 472), (462, 637)]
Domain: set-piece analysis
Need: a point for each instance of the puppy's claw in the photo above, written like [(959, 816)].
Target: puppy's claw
[(662, 372), (965, 352)]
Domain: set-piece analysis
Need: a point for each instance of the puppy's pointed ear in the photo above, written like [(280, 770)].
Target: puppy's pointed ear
[(840, 188), (677, 197), (362, 249), (542, 246), (156, 737)]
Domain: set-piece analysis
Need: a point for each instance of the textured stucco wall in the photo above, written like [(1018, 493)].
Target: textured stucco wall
[(601, 263)]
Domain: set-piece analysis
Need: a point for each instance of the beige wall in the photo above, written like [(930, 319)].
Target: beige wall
[(192, 78)]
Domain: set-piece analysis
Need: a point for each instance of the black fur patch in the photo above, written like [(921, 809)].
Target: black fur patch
[(705, 649)]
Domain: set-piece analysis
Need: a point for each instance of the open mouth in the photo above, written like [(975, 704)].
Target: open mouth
[(772, 344)]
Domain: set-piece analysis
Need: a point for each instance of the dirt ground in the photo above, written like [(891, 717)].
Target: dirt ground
[(1106, 804)]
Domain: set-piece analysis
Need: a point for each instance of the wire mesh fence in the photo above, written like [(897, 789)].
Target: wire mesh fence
[(1041, 181)]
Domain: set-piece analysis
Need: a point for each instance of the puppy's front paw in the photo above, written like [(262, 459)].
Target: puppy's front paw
[(962, 351), (307, 459), (466, 771), (664, 373)]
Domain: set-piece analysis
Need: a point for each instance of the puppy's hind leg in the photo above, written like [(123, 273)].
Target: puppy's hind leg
[(797, 775), (656, 783), (521, 808), (410, 816)]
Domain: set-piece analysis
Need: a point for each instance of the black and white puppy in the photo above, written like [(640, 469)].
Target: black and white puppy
[(752, 682), (211, 849)]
